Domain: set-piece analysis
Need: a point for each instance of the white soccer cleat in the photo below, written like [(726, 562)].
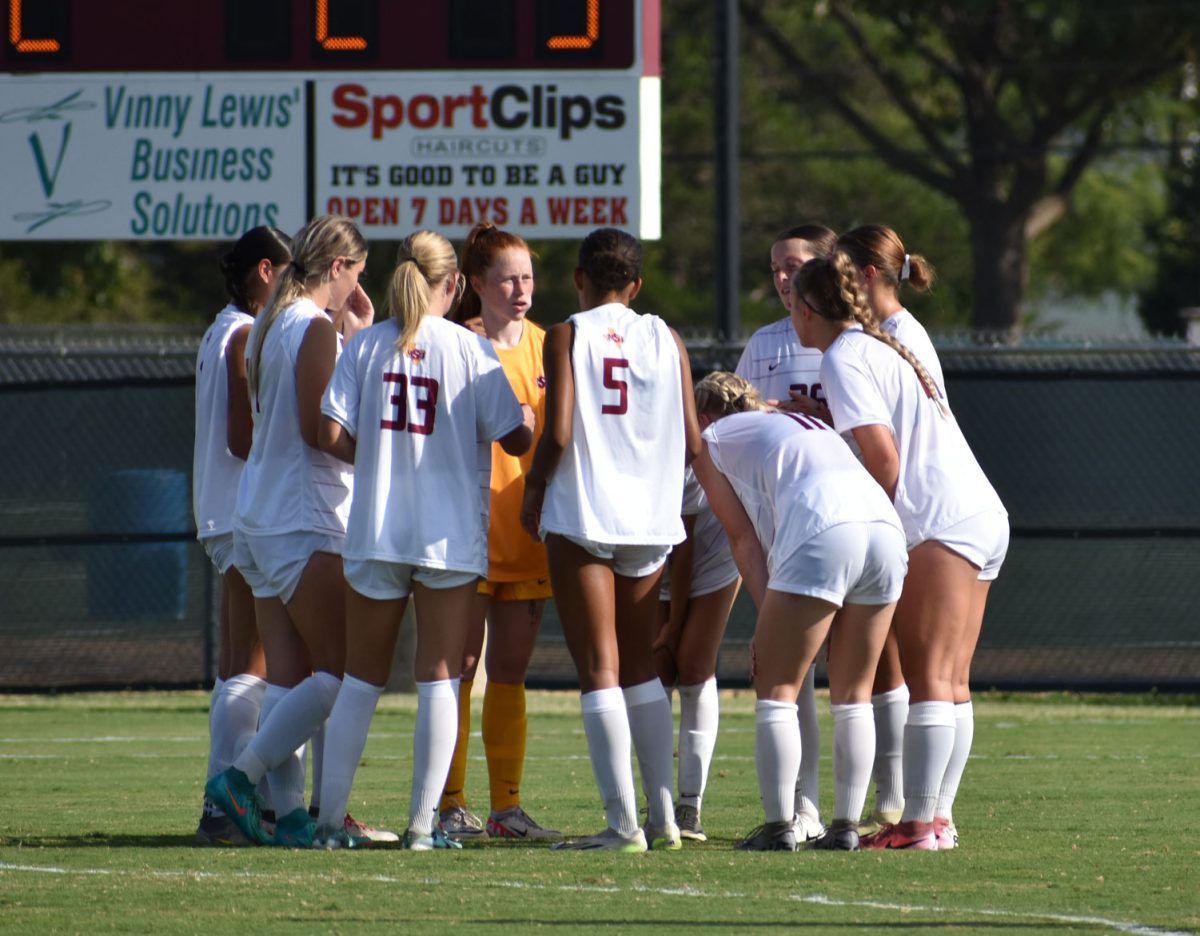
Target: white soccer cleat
[(362, 834), (608, 840), (665, 837)]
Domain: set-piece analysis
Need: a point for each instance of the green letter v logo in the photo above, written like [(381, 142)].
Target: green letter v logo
[(49, 180)]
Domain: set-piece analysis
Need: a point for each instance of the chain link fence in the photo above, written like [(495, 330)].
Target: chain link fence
[(1092, 448)]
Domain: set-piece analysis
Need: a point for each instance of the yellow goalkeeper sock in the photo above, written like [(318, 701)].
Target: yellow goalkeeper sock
[(504, 734)]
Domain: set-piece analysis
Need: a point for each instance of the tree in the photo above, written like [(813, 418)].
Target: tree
[(1000, 106), (1177, 284)]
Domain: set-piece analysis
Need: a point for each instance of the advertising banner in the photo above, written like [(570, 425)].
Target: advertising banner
[(205, 157), (550, 159), (163, 157)]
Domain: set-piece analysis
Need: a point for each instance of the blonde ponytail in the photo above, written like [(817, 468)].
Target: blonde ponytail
[(424, 261), (314, 250)]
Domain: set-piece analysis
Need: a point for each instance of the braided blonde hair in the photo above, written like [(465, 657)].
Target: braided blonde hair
[(833, 289), (722, 394)]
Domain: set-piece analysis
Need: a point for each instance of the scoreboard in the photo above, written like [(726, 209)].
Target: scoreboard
[(197, 119)]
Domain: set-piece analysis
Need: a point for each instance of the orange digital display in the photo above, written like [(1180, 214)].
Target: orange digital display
[(21, 42), (293, 35), (587, 39), (334, 43)]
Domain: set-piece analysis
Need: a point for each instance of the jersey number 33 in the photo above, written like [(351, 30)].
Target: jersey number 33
[(424, 391)]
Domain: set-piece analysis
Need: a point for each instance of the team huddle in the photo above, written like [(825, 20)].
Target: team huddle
[(457, 453)]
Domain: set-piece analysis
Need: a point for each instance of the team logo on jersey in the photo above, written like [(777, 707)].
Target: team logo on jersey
[(541, 381), (417, 355), (614, 337)]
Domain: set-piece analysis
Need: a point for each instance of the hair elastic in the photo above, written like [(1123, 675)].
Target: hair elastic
[(905, 269), (299, 268)]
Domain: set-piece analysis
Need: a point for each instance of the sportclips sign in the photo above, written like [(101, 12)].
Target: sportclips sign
[(174, 157)]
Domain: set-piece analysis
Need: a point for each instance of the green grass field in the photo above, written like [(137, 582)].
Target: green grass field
[(1077, 815)]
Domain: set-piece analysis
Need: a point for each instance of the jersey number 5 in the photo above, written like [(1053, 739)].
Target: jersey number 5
[(611, 382), (425, 395)]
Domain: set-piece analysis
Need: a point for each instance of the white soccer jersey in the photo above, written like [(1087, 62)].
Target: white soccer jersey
[(215, 470), (712, 560), (620, 481), (288, 486), (904, 327), (775, 362), (940, 482), (424, 421), (797, 471)]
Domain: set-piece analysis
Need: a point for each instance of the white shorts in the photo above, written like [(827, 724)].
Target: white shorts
[(982, 540), (849, 563), (272, 565), (220, 551), (707, 577), (712, 564), (387, 581), (631, 561)]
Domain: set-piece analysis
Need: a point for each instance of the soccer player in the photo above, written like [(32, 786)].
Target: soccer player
[(497, 267), (787, 375), (883, 397), (222, 444), (290, 523), (822, 552), (699, 586), (415, 404), (605, 491), (885, 267)]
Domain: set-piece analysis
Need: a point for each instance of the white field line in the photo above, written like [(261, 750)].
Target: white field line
[(109, 739), (1137, 929)]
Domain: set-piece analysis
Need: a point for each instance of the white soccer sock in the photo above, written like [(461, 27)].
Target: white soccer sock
[(214, 700), (290, 724), (964, 735), (346, 738), (777, 756), (891, 712), (606, 727), (652, 730), (928, 742), (234, 719), (699, 714), (213, 760), (808, 779), (218, 687), (433, 748), (853, 754), (318, 764), (288, 775)]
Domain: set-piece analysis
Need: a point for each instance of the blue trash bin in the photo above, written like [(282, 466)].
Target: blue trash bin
[(139, 580)]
